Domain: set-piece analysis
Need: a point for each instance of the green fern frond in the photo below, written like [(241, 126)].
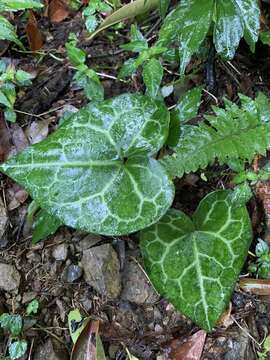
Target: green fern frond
[(232, 133)]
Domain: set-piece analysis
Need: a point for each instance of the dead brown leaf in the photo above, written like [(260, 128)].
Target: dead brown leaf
[(226, 320), (16, 196), (58, 10), (37, 131), (263, 195), (255, 286), (86, 347), (191, 349), (18, 137), (34, 36), (5, 137)]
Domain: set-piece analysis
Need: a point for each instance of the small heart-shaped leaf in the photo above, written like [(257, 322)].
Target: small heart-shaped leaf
[(195, 263), (96, 172)]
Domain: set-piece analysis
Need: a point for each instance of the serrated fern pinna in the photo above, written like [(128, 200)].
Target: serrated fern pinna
[(236, 132)]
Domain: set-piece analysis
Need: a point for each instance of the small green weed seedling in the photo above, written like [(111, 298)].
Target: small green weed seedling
[(10, 78), (261, 267), (266, 348), (92, 13), (85, 77), (147, 58), (12, 325)]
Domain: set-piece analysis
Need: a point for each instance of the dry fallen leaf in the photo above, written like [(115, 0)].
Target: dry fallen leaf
[(226, 320), (255, 286), (18, 138), (37, 131), (15, 197), (88, 345), (3, 218), (263, 195), (33, 34), (191, 349), (58, 10), (5, 137)]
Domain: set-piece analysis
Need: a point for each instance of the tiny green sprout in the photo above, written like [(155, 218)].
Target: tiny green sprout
[(85, 77), (9, 79), (261, 267), (130, 356), (32, 307), (92, 11), (266, 349)]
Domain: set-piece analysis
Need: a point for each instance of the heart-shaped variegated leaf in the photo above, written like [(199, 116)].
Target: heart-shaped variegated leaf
[(96, 172), (195, 262)]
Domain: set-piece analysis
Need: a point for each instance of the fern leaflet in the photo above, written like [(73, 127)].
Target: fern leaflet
[(232, 133)]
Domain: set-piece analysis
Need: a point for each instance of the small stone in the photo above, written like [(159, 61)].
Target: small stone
[(87, 305), (28, 296), (158, 328), (238, 346), (88, 241), (113, 348), (50, 351), (102, 270), (9, 277), (72, 273), (33, 257), (137, 288), (60, 252)]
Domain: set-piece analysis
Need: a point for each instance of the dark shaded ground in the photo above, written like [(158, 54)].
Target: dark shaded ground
[(54, 272)]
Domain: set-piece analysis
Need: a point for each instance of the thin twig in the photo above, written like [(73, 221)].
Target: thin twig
[(31, 349), (39, 115), (40, 328), (212, 96), (245, 331)]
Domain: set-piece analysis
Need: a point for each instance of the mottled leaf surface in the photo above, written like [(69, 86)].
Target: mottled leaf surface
[(15, 5), (188, 105), (7, 31), (152, 76), (96, 172), (188, 24), (228, 28), (195, 262), (249, 11)]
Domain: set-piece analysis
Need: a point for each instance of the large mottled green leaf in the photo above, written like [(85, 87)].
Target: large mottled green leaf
[(96, 172), (7, 31), (228, 28), (249, 11), (188, 24), (195, 262), (15, 5)]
